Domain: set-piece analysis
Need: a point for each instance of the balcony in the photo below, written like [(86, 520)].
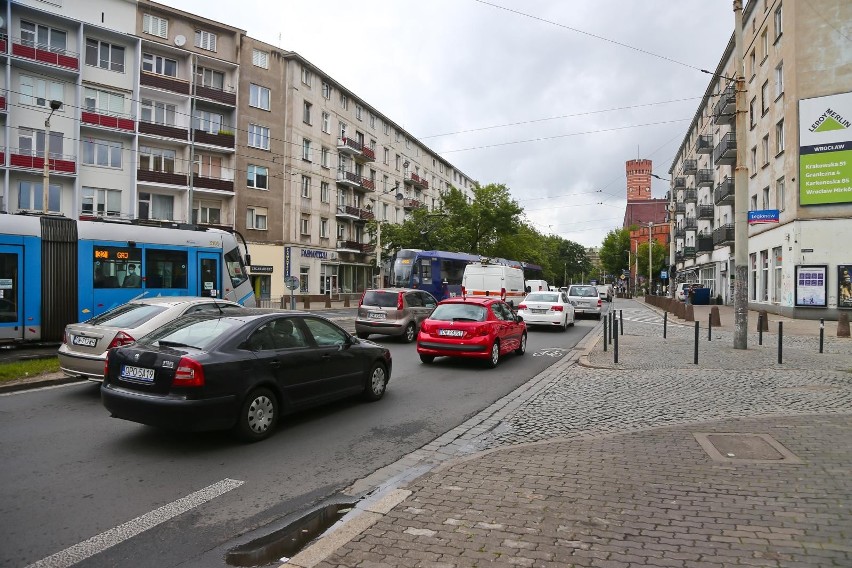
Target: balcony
[(41, 53), (688, 252), (704, 144), (353, 213), (355, 149), (706, 211), (167, 178), (724, 235), (3, 103), (217, 95), (726, 150), (704, 178), (349, 246), (164, 82), (353, 180), (218, 184), (4, 40), (415, 180), (691, 196), (705, 243), (724, 111), (680, 233), (58, 163), (724, 192), (690, 167), (107, 121), (691, 224), (680, 207), (680, 183), (164, 130), (410, 204), (367, 248), (221, 139)]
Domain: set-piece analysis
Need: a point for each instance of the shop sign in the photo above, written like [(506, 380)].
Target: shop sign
[(313, 253), (260, 269)]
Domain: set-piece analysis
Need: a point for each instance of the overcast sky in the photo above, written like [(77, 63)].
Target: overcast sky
[(549, 97)]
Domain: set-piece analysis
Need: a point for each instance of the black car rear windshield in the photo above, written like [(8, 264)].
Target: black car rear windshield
[(127, 315), (380, 299), (193, 331), (456, 312)]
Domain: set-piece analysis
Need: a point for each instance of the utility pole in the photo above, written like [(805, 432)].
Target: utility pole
[(650, 254), (740, 193)]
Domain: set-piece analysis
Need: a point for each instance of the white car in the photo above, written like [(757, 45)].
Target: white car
[(680, 291), (550, 309), (585, 299), (605, 292)]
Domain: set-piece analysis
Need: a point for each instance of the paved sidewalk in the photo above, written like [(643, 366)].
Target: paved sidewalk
[(651, 461)]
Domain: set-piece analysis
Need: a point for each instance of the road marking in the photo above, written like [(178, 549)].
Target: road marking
[(550, 352), (79, 552)]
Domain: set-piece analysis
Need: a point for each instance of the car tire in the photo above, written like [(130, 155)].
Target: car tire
[(377, 382), (410, 333), (523, 347), (427, 359), (564, 326), (494, 354), (362, 335), (258, 415)]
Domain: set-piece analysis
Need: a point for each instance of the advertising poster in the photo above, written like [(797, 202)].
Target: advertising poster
[(811, 286), (825, 150), (844, 286)]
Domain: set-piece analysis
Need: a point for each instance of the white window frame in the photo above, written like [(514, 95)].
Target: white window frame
[(305, 226), (158, 159), (359, 113), (326, 122), (307, 76), (105, 48), (326, 90), (211, 78), (104, 102), (306, 149), (103, 153), (35, 196), (254, 175), (36, 91), (324, 157), (208, 166), (323, 228), (208, 121), (325, 191), (167, 112), (306, 187), (779, 80), (778, 21), (780, 143), (259, 97), (256, 218), (43, 37), (101, 201), (260, 58), (205, 40), (344, 101), (155, 25), (306, 112), (780, 196), (157, 64), (258, 136)]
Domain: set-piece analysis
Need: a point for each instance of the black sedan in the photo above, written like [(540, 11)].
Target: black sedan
[(240, 372)]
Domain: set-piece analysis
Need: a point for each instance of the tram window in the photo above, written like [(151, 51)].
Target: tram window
[(111, 266), (8, 288), (236, 268), (426, 271), (165, 268)]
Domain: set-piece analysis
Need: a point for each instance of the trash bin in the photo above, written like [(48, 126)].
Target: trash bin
[(701, 296)]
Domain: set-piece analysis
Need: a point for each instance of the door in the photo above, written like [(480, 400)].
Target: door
[(209, 284), (341, 371), (11, 292)]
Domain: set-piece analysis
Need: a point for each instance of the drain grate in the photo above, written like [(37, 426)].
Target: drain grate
[(744, 448)]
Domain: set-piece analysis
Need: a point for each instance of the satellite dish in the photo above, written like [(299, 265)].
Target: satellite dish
[(180, 40)]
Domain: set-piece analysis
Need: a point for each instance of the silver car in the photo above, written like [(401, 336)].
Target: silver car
[(85, 345), (393, 311), (585, 299)]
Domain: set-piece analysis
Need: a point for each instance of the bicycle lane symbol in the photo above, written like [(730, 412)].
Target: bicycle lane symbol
[(550, 352)]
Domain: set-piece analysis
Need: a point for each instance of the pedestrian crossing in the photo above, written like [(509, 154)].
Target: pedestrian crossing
[(641, 315)]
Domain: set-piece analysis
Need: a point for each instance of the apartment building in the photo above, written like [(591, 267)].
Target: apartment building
[(798, 71), (169, 116)]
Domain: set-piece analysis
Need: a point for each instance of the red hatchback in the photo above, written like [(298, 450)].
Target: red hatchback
[(482, 328)]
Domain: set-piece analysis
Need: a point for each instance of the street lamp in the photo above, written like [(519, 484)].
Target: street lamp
[(650, 254), (54, 106), (671, 234)]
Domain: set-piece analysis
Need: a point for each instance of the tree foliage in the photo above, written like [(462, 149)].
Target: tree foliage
[(615, 250), (659, 259)]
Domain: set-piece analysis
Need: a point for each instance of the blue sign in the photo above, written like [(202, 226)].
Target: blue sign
[(763, 216), (663, 274), (287, 254)]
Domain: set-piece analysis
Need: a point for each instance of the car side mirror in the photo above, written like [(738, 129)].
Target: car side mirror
[(519, 319)]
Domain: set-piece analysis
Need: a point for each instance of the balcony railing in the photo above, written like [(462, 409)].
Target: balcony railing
[(355, 149), (725, 109), (163, 130), (726, 150), (704, 178), (353, 180), (2, 103), (705, 243), (723, 235), (4, 40), (691, 224), (704, 144), (220, 184), (169, 178), (222, 139), (349, 246), (218, 95), (691, 195), (58, 163), (108, 121), (354, 213), (690, 167), (27, 49), (680, 207), (724, 192), (680, 183), (680, 233), (706, 211), (164, 82), (409, 203)]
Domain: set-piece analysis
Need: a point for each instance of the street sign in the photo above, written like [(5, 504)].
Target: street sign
[(292, 282), (663, 274)]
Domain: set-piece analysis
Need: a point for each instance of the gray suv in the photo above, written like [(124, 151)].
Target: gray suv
[(393, 311)]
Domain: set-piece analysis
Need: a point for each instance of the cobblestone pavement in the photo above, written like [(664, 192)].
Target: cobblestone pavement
[(595, 463)]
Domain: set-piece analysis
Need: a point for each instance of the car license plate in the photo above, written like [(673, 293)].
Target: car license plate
[(137, 373), (538, 311), (451, 332), (84, 341), (377, 315)]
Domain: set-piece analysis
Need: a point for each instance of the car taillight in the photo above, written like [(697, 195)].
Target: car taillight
[(399, 303), (120, 340), (481, 331), (189, 373), (106, 366), (522, 306), (502, 293), (464, 292), (65, 337), (556, 308), (599, 302), (361, 301)]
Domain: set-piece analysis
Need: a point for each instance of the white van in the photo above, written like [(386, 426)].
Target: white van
[(495, 280), (537, 285)]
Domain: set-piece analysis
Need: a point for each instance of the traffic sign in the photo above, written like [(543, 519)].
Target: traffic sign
[(663, 274), (292, 282)]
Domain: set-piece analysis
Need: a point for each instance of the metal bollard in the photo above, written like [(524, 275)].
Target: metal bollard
[(821, 333), (612, 328), (621, 321), (615, 349), (710, 327), (760, 329), (695, 351), (665, 321), (780, 338), (605, 335)]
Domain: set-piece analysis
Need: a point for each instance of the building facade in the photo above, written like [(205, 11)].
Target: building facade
[(798, 72), (169, 116)]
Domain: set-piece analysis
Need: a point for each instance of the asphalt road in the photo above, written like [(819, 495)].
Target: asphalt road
[(71, 473)]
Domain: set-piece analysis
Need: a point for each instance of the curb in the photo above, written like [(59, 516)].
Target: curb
[(31, 383)]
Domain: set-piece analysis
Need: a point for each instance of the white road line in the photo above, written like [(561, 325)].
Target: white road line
[(101, 542)]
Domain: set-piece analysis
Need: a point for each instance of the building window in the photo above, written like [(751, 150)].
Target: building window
[(205, 40), (779, 194), (103, 153), (159, 65), (778, 19), (306, 149), (207, 166), (39, 92), (754, 160), (326, 90), (341, 197), (344, 101), (766, 203), (102, 202), (156, 159), (323, 228), (764, 97), (304, 272), (43, 37), (386, 159), (324, 154), (258, 136), (306, 113), (207, 121), (325, 194), (752, 64), (155, 25), (306, 76), (259, 96), (306, 187), (359, 112), (207, 212), (385, 184), (779, 137), (753, 201), (779, 80), (103, 102), (751, 116), (764, 45), (104, 55), (341, 231), (342, 129), (764, 150), (257, 176), (31, 196), (753, 287), (764, 276), (372, 120), (397, 161), (777, 261), (210, 78), (158, 112), (305, 225), (326, 123), (260, 58), (256, 218)]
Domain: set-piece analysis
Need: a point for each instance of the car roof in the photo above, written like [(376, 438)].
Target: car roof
[(179, 300), (393, 290), (479, 300)]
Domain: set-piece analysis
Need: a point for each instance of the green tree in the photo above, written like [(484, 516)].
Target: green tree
[(614, 251), (659, 259)]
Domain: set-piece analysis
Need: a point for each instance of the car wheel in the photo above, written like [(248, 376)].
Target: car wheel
[(362, 335), (494, 357), (427, 359), (565, 324), (410, 333), (258, 415), (377, 381), (599, 317), (522, 348)]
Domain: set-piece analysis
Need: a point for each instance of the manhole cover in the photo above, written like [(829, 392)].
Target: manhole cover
[(744, 448)]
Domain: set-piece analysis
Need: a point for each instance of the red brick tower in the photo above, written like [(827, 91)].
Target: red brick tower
[(638, 179)]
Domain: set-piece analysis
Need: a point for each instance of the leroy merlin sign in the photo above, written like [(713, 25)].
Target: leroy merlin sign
[(825, 150)]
